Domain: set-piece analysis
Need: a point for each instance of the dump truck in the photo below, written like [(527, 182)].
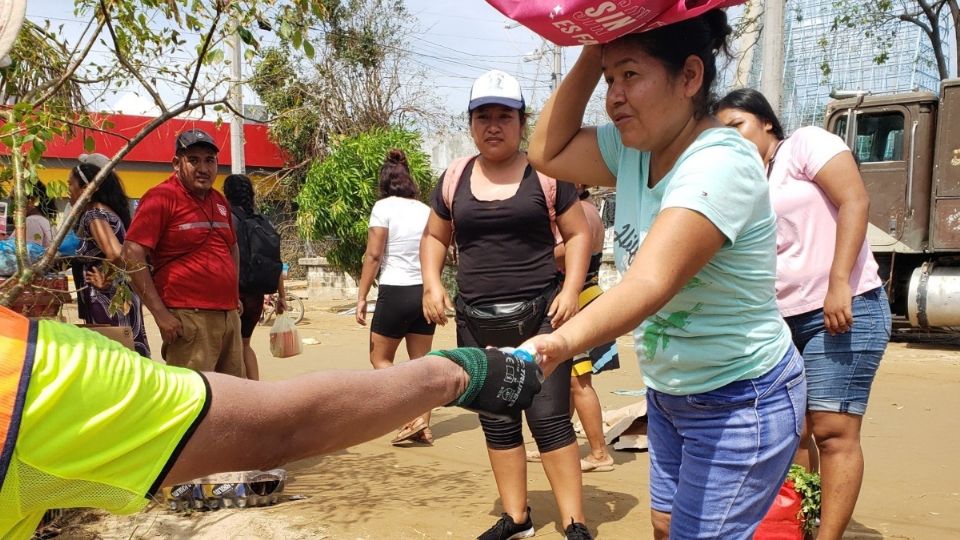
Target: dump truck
[(908, 148)]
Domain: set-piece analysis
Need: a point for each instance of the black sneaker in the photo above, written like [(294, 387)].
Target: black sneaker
[(577, 531), (507, 529)]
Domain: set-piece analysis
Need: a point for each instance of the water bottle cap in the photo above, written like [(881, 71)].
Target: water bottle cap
[(525, 355)]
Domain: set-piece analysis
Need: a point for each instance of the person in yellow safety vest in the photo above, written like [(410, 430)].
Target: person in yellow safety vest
[(85, 422)]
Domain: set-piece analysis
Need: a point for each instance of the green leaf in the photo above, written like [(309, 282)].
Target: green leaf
[(89, 144), (246, 36), (308, 50), (286, 29), (214, 56), (807, 485)]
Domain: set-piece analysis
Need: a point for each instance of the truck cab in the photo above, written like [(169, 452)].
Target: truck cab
[(908, 148)]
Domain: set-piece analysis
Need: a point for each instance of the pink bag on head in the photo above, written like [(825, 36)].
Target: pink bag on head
[(588, 22)]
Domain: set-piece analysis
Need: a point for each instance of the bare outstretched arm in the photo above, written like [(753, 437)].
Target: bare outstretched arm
[(324, 412)]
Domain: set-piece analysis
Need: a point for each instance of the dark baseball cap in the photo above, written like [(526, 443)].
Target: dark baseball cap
[(194, 136)]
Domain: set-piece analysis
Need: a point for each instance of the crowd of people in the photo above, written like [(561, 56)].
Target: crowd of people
[(758, 315)]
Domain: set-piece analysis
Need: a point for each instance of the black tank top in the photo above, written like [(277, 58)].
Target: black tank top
[(505, 246)]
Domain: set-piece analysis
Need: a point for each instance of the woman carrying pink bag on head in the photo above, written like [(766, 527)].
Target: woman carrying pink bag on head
[(696, 243)]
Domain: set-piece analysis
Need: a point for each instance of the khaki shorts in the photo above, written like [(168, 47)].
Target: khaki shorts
[(210, 342)]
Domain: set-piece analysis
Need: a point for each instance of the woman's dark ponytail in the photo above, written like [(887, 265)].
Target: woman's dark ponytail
[(395, 179)]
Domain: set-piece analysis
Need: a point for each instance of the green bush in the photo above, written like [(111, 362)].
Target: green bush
[(340, 191)]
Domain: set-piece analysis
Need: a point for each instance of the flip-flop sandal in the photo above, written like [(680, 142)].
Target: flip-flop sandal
[(424, 437), (533, 456), (591, 466), (409, 432)]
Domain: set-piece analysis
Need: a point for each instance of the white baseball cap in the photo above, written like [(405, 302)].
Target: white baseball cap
[(496, 87), (97, 160)]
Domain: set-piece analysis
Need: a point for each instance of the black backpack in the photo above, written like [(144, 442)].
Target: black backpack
[(259, 244)]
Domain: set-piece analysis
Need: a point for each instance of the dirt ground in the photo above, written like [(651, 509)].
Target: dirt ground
[(911, 439)]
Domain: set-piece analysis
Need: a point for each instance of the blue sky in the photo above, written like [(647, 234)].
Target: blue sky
[(463, 39), (457, 41)]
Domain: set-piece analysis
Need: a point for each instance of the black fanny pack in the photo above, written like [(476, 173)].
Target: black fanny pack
[(505, 324)]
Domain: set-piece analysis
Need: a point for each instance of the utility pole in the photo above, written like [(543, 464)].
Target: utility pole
[(555, 77), (747, 43), (771, 79), (237, 163)]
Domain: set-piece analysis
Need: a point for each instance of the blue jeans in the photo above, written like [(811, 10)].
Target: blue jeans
[(717, 459), (840, 369)]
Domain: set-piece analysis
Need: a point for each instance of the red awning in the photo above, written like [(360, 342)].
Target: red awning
[(158, 146)]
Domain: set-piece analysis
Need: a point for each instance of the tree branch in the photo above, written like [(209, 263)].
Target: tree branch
[(203, 51), (51, 87), (234, 110), (934, 34), (122, 58), (915, 20), (28, 271), (93, 128), (20, 203)]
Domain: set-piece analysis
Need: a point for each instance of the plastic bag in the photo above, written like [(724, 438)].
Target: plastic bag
[(8, 256), (782, 521), (69, 246), (587, 22), (284, 339)]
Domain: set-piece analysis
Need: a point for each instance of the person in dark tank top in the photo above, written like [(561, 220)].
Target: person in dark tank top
[(504, 237)]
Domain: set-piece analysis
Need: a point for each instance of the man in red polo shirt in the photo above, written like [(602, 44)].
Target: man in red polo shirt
[(183, 226)]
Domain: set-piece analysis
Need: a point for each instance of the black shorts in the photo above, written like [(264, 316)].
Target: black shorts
[(399, 312), (252, 309)]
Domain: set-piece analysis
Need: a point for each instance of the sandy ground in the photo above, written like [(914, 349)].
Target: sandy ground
[(911, 440)]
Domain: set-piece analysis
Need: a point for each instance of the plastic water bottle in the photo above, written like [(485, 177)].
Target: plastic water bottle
[(527, 354), (523, 353)]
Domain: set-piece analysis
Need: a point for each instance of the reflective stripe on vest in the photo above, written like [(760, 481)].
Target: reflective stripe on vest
[(203, 225), (17, 343)]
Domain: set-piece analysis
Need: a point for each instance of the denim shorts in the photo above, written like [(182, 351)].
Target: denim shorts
[(841, 368), (717, 459)]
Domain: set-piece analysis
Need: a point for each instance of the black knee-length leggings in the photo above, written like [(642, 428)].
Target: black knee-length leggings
[(548, 417)]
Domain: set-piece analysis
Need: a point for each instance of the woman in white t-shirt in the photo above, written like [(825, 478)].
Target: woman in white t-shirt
[(828, 290), (393, 249)]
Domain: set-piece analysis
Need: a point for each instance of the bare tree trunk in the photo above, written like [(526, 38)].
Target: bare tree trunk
[(932, 13)]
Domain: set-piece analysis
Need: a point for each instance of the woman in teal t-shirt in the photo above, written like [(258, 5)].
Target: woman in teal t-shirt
[(696, 243)]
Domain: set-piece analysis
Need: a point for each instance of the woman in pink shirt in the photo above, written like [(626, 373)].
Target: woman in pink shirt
[(828, 289)]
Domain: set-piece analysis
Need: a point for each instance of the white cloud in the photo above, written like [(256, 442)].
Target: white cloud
[(133, 103)]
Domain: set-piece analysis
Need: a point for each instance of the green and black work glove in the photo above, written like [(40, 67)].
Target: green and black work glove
[(501, 385)]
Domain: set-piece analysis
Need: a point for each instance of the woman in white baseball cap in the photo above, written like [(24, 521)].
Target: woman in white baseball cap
[(505, 215)]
